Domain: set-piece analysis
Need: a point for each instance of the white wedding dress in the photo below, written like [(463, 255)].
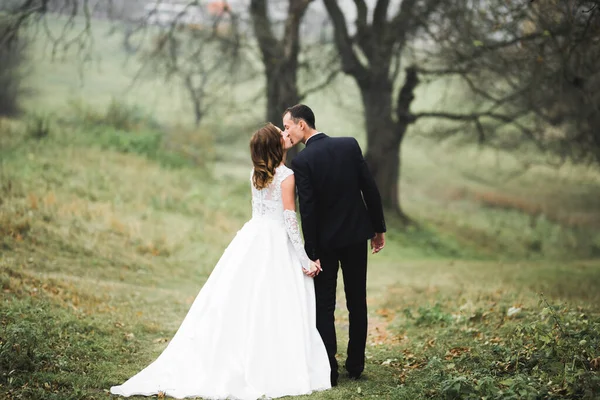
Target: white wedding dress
[(250, 332)]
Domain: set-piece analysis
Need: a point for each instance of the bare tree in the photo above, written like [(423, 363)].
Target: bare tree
[(372, 56), (190, 46), (279, 48), (525, 66), (211, 54), (205, 59), (33, 16), (280, 57), (532, 68), (13, 73), (192, 60)]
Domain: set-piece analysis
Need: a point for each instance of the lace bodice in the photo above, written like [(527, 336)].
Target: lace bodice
[(268, 202)]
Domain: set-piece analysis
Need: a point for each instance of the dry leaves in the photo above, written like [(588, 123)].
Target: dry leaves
[(412, 363), (387, 314), (456, 352)]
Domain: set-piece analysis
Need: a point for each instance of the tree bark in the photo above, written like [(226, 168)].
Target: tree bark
[(373, 72), (195, 98), (384, 140), (282, 92)]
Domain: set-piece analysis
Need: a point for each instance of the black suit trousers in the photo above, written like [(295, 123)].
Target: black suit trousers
[(353, 261)]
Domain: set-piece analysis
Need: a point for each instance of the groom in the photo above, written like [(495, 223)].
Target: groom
[(341, 210)]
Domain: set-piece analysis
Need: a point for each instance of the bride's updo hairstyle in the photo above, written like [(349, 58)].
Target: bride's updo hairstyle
[(266, 150)]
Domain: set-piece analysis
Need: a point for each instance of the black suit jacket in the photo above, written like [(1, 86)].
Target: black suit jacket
[(339, 201)]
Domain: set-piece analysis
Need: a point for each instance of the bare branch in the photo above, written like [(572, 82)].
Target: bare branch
[(463, 117), (442, 71), (406, 97), (380, 18), (350, 61), (363, 35), (267, 42), (291, 36), (325, 82), (361, 13)]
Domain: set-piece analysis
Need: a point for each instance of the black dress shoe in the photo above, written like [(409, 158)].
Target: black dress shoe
[(355, 371), (354, 377)]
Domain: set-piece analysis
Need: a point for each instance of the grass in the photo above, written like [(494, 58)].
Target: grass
[(470, 197), (113, 214), (104, 249)]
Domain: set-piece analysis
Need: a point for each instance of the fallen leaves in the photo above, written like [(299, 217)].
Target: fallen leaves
[(387, 314), (456, 352), (411, 363), (379, 334)]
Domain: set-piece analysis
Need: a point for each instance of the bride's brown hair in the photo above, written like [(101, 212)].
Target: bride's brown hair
[(266, 150)]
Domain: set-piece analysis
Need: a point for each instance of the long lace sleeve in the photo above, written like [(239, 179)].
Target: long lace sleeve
[(291, 226)]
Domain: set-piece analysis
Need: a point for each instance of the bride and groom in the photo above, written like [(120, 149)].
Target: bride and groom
[(263, 323)]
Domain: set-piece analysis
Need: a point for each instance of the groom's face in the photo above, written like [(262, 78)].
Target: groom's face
[(295, 130), (287, 141)]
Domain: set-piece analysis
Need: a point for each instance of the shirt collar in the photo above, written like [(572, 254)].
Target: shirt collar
[(318, 133)]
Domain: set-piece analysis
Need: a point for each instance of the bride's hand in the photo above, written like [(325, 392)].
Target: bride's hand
[(313, 269)]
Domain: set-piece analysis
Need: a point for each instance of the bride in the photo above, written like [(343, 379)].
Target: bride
[(250, 332)]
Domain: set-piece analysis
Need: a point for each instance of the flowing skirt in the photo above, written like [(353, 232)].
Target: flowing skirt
[(250, 332)]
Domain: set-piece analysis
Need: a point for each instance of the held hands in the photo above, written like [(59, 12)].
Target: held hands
[(377, 243), (313, 269)]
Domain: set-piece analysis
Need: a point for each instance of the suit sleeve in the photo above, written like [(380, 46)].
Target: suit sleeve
[(308, 211), (370, 192)]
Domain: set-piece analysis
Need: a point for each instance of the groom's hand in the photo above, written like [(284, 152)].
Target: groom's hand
[(314, 269), (318, 266), (377, 243)]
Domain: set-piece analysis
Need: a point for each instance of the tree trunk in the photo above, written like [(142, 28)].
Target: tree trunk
[(195, 98), (280, 58), (197, 105), (282, 92), (197, 113), (384, 138)]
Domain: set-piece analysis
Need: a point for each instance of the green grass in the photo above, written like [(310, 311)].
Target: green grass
[(104, 249), (111, 221)]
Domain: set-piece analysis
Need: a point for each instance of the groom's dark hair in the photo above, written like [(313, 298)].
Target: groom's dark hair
[(301, 111)]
